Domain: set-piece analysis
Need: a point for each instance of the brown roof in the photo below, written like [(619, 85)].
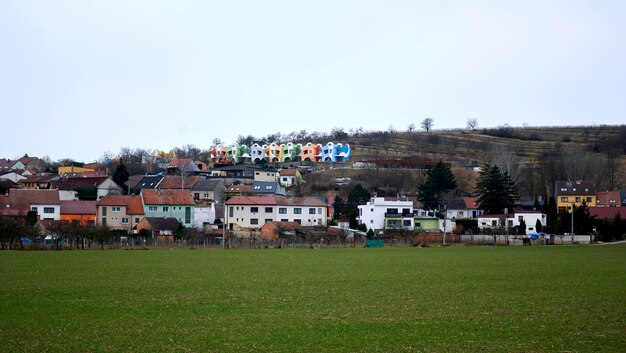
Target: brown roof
[(252, 200), (133, 180), (25, 160), (80, 175), (78, 207), (174, 182), (38, 178), (133, 203), (241, 188), (166, 197), (288, 172), (74, 183), (179, 163), (35, 197), (604, 198), (274, 200)]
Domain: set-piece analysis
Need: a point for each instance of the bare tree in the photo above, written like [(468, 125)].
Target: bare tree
[(410, 128), (507, 161), (427, 124), (472, 124)]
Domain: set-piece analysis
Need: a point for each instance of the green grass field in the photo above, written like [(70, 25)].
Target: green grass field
[(496, 299)]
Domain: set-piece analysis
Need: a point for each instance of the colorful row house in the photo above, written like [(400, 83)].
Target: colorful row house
[(279, 153)]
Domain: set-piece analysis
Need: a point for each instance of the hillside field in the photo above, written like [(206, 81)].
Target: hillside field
[(490, 299)]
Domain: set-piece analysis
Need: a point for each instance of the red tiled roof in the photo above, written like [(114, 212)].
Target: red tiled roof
[(471, 202), (133, 203), (166, 197), (282, 225), (288, 172), (604, 197), (607, 213), (174, 182), (252, 200), (78, 207), (244, 188), (273, 200), (35, 197)]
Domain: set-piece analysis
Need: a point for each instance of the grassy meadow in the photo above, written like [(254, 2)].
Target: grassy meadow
[(490, 299)]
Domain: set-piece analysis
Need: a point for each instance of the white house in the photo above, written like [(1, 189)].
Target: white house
[(513, 220), (399, 213), (204, 213), (255, 211), (45, 202)]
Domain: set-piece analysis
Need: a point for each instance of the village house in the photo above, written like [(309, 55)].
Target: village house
[(568, 193), (254, 211), (169, 203), (45, 202), (120, 212), (510, 221), (83, 212)]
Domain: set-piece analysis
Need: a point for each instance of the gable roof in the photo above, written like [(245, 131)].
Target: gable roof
[(274, 200), (162, 223), (35, 196), (78, 207), (300, 201), (166, 197), (265, 187), (252, 200), (455, 204), (132, 202), (607, 213), (174, 182), (74, 183), (604, 198), (147, 182), (289, 172), (282, 226), (133, 180), (471, 202), (206, 185), (39, 178), (574, 188), (185, 164), (241, 188)]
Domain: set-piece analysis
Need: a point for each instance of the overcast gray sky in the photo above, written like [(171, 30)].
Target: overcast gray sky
[(79, 78)]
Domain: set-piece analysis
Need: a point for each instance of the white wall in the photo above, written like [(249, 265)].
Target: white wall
[(242, 215), (203, 215), (372, 214), (56, 215)]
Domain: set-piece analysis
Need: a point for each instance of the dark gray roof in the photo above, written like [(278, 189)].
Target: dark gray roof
[(574, 188), (265, 187), (206, 185), (454, 204), (162, 223), (148, 182)]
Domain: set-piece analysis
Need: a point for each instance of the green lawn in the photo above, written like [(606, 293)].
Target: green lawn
[(520, 299)]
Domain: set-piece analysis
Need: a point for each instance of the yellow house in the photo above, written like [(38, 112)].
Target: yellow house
[(72, 169), (568, 193)]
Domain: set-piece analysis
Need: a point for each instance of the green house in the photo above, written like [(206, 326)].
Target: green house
[(426, 223), (170, 204)]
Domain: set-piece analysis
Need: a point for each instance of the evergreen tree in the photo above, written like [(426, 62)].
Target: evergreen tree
[(339, 207), (120, 177), (521, 229), (440, 180), (358, 196), (496, 191), (538, 226)]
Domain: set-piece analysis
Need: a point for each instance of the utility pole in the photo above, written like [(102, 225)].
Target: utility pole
[(573, 207)]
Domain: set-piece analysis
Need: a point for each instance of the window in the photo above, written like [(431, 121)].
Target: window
[(407, 223), (151, 208), (297, 210), (319, 210), (418, 224), (104, 221), (136, 220), (577, 199), (34, 209), (254, 221), (494, 223), (187, 215), (104, 211), (230, 211), (124, 220), (282, 210), (257, 187), (520, 218), (268, 220), (166, 208), (564, 199), (588, 199), (115, 209), (254, 209), (297, 220), (48, 210), (269, 209), (311, 210)]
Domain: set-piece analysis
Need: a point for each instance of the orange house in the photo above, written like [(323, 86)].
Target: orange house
[(82, 211), (311, 152)]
